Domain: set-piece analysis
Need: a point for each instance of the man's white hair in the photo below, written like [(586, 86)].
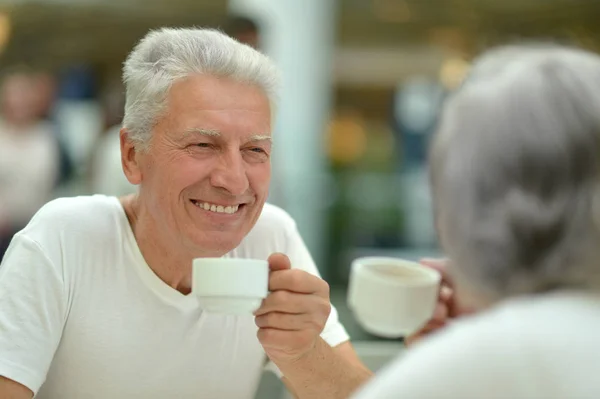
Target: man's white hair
[(167, 55)]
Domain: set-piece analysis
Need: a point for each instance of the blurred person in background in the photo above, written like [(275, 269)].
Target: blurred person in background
[(515, 174), (106, 171), (95, 293), (46, 88), (29, 152), (46, 94), (244, 30)]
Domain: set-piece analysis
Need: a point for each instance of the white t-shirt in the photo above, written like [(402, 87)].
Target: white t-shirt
[(81, 310), (29, 166), (543, 347)]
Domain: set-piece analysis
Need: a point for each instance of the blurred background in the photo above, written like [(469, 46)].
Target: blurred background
[(363, 84)]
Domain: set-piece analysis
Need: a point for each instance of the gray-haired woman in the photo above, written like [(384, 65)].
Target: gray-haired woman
[(515, 173)]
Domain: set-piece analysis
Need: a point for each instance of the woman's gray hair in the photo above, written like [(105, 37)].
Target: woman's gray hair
[(166, 55), (515, 172)]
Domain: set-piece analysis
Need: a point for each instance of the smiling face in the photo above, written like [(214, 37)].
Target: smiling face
[(205, 177)]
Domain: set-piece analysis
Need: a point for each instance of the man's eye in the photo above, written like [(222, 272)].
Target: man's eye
[(202, 145), (258, 150)]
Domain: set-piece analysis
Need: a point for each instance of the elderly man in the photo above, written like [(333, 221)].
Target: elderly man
[(94, 292)]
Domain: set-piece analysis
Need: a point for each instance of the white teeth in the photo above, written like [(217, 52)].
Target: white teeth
[(217, 208)]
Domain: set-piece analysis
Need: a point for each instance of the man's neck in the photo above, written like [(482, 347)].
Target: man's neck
[(166, 258)]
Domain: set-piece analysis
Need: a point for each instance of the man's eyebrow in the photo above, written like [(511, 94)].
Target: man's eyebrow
[(203, 132), (260, 137), (216, 133)]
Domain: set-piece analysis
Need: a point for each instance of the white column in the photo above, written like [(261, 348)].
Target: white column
[(299, 36)]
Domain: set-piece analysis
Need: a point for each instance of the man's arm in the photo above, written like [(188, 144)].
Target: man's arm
[(291, 320), (33, 307), (10, 389), (326, 372)]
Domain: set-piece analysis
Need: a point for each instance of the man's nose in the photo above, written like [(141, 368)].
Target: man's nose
[(230, 173)]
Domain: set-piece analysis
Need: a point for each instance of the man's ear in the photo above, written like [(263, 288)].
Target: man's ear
[(130, 158)]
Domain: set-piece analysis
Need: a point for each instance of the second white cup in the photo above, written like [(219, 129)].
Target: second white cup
[(391, 297)]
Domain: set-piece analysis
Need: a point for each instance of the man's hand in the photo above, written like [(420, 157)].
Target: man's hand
[(293, 315), (10, 389), (447, 307)]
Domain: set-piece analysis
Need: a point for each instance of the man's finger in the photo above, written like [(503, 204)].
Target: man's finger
[(278, 261), (298, 281), (286, 302), (283, 321)]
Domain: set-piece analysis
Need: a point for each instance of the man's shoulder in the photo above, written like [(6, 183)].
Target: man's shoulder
[(275, 217), (74, 216), (81, 208), (270, 233)]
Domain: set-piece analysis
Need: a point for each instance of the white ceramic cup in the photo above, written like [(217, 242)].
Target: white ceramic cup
[(392, 297), (230, 285)]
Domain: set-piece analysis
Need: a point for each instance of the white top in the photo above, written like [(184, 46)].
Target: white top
[(542, 347), (81, 310), (29, 165), (108, 177)]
